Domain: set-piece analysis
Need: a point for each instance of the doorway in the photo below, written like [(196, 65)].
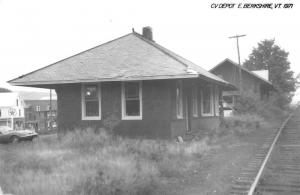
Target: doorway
[(188, 111)]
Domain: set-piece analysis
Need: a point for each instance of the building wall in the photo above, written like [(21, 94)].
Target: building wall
[(200, 124), (37, 114), (249, 83), (156, 109), (18, 108), (19, 112), (159, 110)]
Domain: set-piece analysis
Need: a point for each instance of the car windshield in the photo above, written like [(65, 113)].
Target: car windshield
[(5, 129)]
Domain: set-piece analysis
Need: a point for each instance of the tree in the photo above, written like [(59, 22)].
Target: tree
[(3, 90), (270, 56)]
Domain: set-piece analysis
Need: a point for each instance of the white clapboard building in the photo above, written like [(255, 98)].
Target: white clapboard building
[(11, 109)]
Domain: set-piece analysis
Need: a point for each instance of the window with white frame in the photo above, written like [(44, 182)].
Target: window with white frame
[(38, 108), (195, 101), (207, 101), (91, 101), (179, 104), (217, 104), (132, 100)]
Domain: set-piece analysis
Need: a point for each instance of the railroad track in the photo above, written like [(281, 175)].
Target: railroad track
[(275, 169)]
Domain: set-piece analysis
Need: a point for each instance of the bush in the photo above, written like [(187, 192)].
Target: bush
[(249, 103), (243, 123)]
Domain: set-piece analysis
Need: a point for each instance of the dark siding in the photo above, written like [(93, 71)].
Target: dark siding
[(159, 110), (68, 106), (156, 109), (156, 112), (202, 124)]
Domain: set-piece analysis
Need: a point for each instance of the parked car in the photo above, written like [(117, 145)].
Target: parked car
[(8, 135)]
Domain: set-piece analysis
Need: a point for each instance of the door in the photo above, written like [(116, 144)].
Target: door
[(188, 111)]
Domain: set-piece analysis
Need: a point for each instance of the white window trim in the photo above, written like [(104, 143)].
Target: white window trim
[(216, 92), (83, 117), (124, 116), (180, 115), (195, 101), (211, 103)]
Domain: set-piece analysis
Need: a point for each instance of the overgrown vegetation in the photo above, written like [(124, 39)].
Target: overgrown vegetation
[(242, 124), (270, 109), (95, 162), (269, 56), (251, 113)]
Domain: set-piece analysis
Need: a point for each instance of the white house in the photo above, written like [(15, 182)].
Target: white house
[(11, 109)]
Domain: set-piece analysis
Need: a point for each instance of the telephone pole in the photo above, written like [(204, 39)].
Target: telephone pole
[(238, 50)]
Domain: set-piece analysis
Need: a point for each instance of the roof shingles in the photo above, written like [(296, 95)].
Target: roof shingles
[(131, 57)]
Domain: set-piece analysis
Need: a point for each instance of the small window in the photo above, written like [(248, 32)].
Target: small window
[(179, 103), (132, 100), (38, 108), (195, 101), (207, 101), (17, 102), (91, 102)]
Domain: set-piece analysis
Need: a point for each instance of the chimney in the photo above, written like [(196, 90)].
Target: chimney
[(147, 33)]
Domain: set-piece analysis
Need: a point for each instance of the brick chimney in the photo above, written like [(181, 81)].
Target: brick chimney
[(147, 33)]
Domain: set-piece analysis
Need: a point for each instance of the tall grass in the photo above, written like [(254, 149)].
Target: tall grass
[(95, 162)]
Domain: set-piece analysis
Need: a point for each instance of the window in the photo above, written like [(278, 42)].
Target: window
[(38, 108), (132, 100), (217, 101), (0, 113), (228, 99), (179, 103), (17, 102), (91, 102), (195, 101), (207, 101)]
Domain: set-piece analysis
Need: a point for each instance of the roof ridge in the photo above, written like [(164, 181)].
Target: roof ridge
[(155, 45), (70, 57), (243, 68), (161, 48)]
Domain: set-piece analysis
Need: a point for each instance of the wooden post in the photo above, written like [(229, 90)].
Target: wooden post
[(239, 60), (50, 110)]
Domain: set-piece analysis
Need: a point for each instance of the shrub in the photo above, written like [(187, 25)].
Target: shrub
[(243, 123), (249, 103)]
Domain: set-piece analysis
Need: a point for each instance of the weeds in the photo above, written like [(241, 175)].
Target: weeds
[(95, 162)]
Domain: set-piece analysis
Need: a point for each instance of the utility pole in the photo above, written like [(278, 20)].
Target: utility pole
[(238, 50)]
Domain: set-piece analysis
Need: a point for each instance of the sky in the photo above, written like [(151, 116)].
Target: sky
[(36, 33)]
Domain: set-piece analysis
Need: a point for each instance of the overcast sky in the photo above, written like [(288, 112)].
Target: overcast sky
[(36, 33)]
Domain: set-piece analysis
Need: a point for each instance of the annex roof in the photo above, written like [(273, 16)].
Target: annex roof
[(130, 57), (243, 69)]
